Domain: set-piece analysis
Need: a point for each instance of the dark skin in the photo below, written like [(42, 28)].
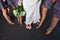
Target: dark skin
[(53, 22), (52, 26), (6, 14), (43, 16), (7, 17)]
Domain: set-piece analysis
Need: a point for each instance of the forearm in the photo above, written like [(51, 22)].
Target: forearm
[(44, 11)]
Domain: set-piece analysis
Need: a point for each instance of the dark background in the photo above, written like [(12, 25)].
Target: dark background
[(15, 32)]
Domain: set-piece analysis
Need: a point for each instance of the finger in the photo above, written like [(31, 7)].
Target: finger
[(38, 26), (47, 33), (28, 27), (11, 23)]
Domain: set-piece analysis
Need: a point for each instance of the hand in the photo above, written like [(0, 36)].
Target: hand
[(10, 21), (20, 2), (43, 16), (28, 26), (49, 30), (39, 25), (7, 17)]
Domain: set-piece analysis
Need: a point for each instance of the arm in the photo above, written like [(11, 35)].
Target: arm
[(46, 5), (43, 14)]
